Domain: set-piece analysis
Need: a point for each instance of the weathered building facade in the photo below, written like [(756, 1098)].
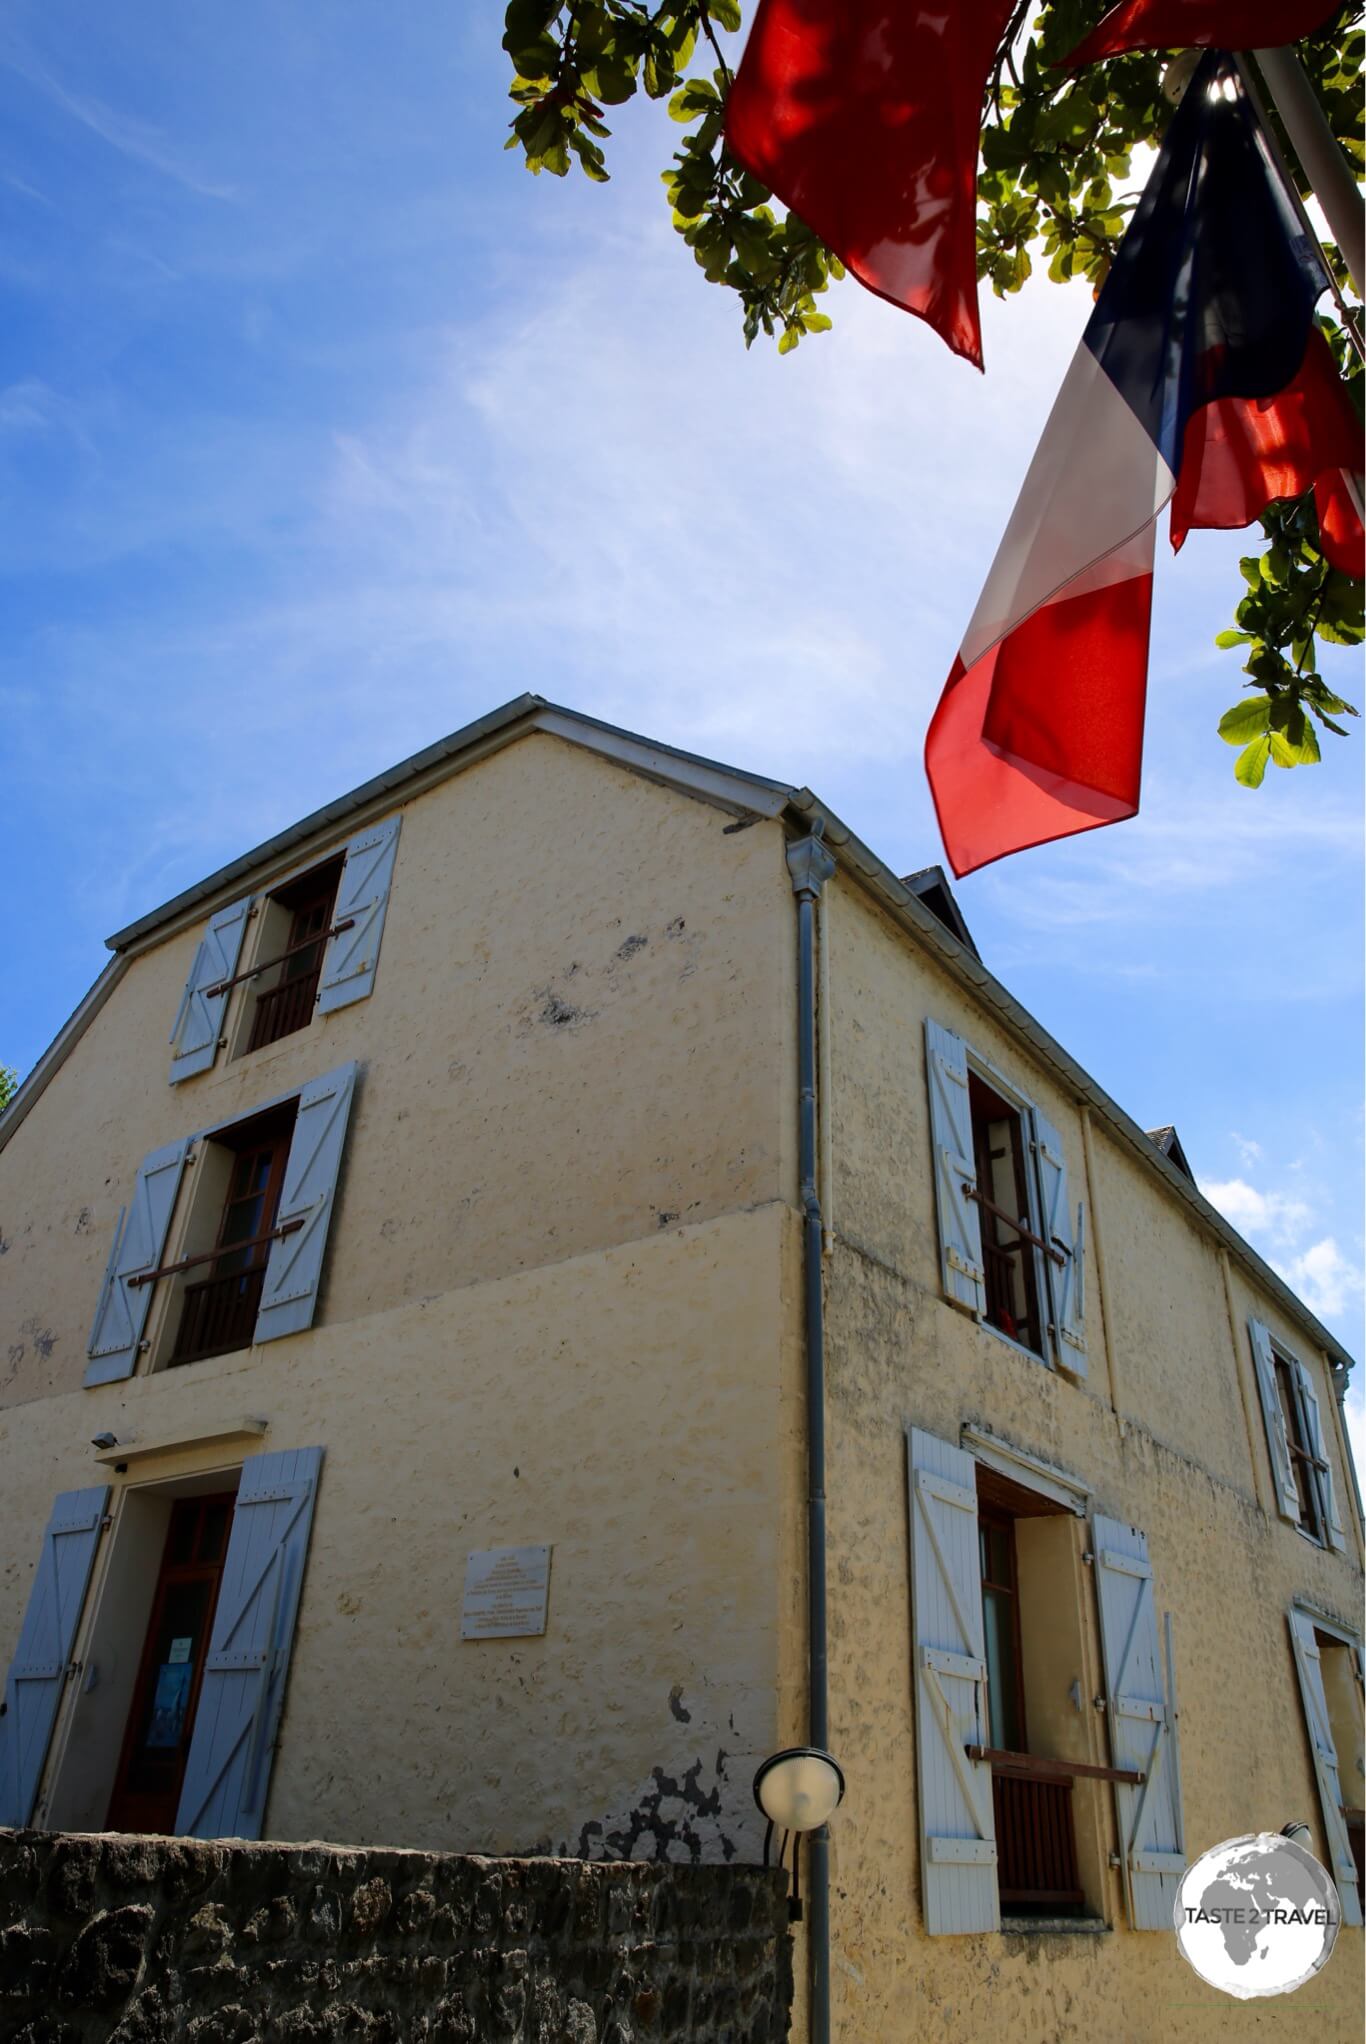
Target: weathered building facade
[(464, 1214)]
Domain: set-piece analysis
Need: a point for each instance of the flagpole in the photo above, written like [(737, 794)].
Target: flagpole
[(1253, 90), (1327, 169)]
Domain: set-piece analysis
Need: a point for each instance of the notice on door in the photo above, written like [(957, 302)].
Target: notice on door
[(506, 1593)]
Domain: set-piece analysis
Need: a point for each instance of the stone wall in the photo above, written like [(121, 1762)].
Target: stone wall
[(148, 1940)]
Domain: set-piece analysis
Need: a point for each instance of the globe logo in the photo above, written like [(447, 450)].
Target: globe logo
[(1257, 1915)]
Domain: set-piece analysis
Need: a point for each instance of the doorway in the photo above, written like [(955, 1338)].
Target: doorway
[(156, 1742)]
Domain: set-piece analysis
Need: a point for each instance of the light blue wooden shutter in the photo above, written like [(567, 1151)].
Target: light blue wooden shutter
[(1326, 1770), (1141, 1711), (960, 1227), (33, 1687), (1323, 1475), (1066, 1280), (1277, 1439), (199, 1019), (957, 1824), (238, 1720), (289, 1293), (139, 1243), (349, 962)]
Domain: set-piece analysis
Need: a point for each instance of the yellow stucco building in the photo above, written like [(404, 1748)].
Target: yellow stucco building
[(588, 1205)]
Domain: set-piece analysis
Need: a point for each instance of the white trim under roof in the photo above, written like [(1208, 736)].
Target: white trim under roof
[(986, 1445)]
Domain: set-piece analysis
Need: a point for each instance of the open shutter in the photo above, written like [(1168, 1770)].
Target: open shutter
[(1277, 1439), (957, 1823), (348, 972), (139, 1243), (237, 1722), (33, 1687), (1142, 1716), (199, 1019), (960, 1227), (1320, 1728), (289, 1292), (1066, 1280), (1323, 1475)]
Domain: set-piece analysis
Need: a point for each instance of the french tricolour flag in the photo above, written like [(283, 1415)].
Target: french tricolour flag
[(1200, 370)]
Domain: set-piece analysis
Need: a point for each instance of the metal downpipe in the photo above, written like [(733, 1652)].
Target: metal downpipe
[(810, 866)]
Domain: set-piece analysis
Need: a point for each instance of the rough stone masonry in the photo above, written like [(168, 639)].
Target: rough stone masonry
[(148, 1940)]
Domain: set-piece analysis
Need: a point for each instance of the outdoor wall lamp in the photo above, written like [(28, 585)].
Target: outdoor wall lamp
[(797, 1790)]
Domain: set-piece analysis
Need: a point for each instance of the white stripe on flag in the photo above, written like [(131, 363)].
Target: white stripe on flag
[(1092, 491)]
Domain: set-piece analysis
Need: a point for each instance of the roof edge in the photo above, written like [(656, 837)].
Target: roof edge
[(906, 907), (727, 787)]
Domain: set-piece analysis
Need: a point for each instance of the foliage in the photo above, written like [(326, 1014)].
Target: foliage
[(1058, 161), (9, 1085)]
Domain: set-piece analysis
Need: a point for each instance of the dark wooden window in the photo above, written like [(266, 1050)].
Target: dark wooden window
[(1008, 1256), (156, 1742), (218, 1311), (1001, 1620), (1036, 1853), (1301, 1458), (288, 1005)]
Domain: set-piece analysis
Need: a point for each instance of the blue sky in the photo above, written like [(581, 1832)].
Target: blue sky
[(325, 428)]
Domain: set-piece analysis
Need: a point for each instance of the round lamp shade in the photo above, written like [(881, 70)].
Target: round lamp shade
[(797, 1790)]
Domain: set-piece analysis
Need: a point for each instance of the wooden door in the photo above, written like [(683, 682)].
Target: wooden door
[(166, 1697)]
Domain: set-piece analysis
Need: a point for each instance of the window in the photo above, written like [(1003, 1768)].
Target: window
[(1010, 1244), (1328, 1663), (285, 984), (1303, 1475), (229, 1253), (313, 948), (1302, 1463), (1032, 1795), (1012, 1252), (219, 1303), (1009, 1588)]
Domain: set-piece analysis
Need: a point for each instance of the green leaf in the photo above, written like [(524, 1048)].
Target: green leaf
[(791, 336), (1227, 639), (1290, 751), (1250, 765), (726, 14), (1246, 720)]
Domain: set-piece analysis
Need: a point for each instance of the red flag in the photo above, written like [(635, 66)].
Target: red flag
[(1242, 453), (1201, 24), (864, 118)]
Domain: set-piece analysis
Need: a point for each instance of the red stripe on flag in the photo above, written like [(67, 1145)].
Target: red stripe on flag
[(1340, 530), (1242, 453), (1201, 24), (865, 120), (1043, 736)]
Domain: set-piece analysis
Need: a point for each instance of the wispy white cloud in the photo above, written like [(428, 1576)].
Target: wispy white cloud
[(1249, 1150), (1277, 1217), (137, 140), (1325, 1279)]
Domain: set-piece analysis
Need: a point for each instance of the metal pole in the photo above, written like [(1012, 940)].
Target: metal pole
[(810, 866), (1330, 175), (1248, 74)]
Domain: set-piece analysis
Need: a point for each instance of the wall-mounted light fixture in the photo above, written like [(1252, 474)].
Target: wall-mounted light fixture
[(798, 1790)]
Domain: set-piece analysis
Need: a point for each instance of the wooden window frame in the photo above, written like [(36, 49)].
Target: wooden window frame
[(1008, 1105), (287, 1007), (1304, 1464), (1003, 1520), (271, 1132), (1031, 1797)]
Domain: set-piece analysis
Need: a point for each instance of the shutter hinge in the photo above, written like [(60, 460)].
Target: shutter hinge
[(1089, 1559), (1115, 1860), (1099, 1702)]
